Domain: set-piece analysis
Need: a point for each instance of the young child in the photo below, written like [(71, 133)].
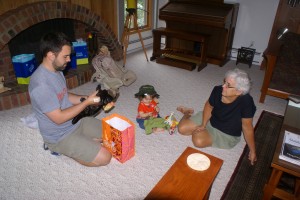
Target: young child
[(148, 111)]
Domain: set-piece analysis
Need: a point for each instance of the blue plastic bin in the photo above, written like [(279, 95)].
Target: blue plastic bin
[(24, 66), (81, 50)]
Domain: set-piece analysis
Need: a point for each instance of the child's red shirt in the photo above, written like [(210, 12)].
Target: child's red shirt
[(147, 108)]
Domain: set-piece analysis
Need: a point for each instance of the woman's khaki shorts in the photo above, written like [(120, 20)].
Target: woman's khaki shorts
[(80, 144), (219, 139)]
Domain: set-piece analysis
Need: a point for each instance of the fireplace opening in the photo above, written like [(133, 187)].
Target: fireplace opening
[(27, 41)]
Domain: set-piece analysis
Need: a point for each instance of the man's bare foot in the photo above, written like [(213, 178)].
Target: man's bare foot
[(158, 130), (185, 110)]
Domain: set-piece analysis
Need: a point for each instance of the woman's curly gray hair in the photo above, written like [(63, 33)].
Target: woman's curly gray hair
[(242, 80)]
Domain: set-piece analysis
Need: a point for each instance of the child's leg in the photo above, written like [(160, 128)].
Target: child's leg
[(141, 123), (158, 130), (154, 125)]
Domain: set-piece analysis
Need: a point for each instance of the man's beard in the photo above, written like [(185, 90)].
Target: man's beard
[(59, 68)]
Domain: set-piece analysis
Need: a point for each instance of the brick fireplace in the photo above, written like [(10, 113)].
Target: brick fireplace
[(15, 21)]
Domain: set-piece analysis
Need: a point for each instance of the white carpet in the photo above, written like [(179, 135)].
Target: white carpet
[(29, 172)]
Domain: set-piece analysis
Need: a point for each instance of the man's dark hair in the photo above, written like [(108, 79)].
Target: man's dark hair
[(53, 42)]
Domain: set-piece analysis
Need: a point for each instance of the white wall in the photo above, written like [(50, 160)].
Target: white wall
[(254, 24)]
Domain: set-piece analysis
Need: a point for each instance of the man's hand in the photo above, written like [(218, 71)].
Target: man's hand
[(93, 98)]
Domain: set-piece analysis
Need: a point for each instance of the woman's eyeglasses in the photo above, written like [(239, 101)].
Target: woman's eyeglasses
[(227, 85)]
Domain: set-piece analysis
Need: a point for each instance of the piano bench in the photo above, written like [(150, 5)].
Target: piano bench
[(184, 35)]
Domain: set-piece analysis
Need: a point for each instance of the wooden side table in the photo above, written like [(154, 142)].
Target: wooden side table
[(182, 182), (291, 123)]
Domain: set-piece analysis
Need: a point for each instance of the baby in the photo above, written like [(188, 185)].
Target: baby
[(148, 111)]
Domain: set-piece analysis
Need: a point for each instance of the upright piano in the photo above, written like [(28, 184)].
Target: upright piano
[(213, 20)]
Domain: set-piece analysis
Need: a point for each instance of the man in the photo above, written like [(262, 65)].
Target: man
[(228, 112), (55, 107)]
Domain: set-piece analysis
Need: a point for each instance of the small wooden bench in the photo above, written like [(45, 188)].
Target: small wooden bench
[(190, 36)]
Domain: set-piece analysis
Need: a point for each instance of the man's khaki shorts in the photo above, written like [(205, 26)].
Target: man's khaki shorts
[(80, 144), (220, 140)]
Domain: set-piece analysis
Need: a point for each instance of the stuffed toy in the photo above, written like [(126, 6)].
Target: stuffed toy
[(172, 123), (106, 103), (110, 75)]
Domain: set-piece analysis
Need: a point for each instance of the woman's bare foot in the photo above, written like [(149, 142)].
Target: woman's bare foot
[(185, 110)]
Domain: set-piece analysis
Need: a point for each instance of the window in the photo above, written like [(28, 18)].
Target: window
[(143, 11), (146, 18)]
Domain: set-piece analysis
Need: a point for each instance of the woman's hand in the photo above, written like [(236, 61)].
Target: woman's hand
[(248, 131), (200, 128), (252, 157)]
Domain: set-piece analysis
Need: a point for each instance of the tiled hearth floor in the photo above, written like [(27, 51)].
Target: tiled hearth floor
[(18, 95)]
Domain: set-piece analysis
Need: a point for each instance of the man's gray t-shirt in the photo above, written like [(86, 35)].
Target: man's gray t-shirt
[(48, 92)]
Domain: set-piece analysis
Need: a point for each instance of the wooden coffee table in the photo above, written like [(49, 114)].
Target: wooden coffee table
[(182, 182)]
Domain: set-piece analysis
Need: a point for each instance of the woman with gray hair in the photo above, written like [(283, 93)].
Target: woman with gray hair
[(243, 82), (227, 113)]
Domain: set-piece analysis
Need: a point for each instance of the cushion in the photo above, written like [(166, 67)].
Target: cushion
[(286, 74)]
